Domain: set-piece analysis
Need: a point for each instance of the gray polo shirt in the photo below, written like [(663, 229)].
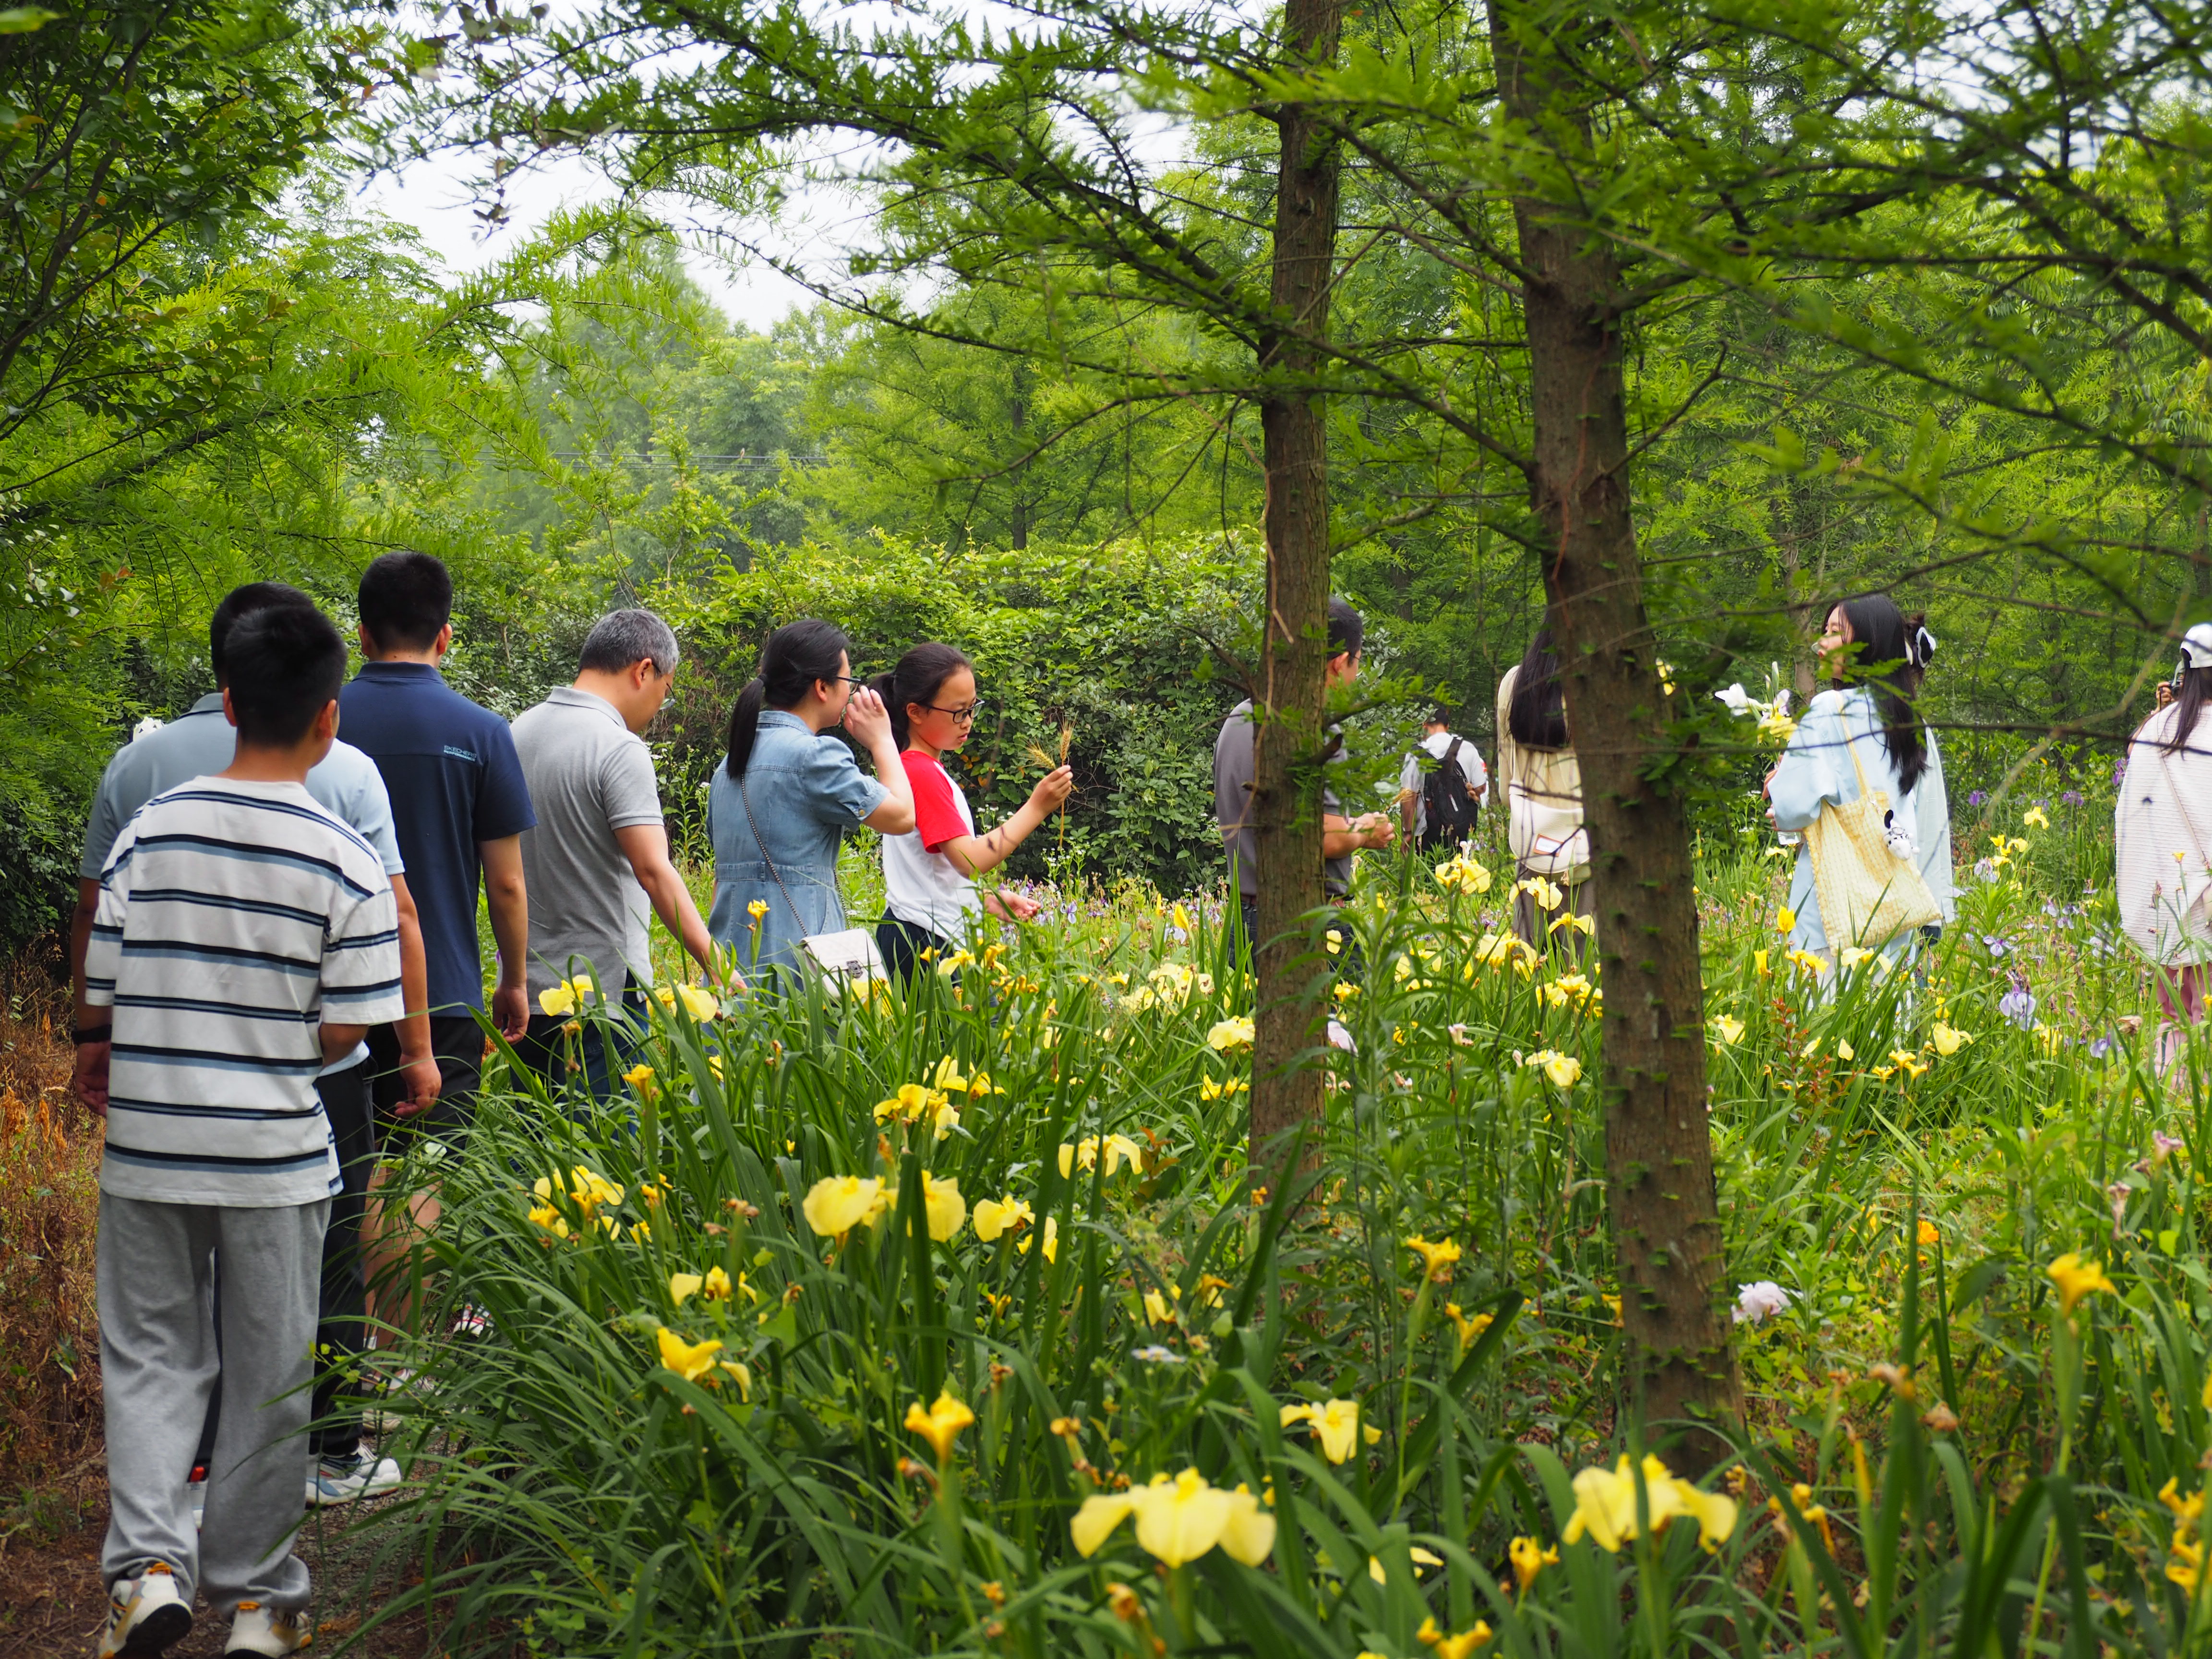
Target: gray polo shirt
[(1232, 808), (200, 742), (589, 775)]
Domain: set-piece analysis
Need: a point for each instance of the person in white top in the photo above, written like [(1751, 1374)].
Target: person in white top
[(929, 873), (2162, 839), (1454, 779), (1542, 781)]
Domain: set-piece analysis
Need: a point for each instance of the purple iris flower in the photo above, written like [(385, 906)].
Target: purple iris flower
[(2071, 798), (2018, 1005), (1978, 797), (1994, 945), (2099, 1047)]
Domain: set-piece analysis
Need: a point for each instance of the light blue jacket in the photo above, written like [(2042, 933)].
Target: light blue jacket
[(1817, 772), (806, 791)]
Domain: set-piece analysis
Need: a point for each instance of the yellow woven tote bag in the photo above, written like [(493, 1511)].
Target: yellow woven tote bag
[(1870, 893)]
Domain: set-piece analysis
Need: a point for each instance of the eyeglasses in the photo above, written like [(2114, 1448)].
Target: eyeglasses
[(965, 714)]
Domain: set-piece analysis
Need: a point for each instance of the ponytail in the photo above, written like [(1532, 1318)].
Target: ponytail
[(920, 676), (745, 725), (797, 656)]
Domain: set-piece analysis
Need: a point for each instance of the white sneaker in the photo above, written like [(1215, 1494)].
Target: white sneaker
[(341, 1480), (196, 1495), (269, 1631), (145, 1614)]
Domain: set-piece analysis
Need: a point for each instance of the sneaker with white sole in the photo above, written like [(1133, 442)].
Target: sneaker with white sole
[(145, 1614), (196, 1495), (271, 1632), (341, 1480)]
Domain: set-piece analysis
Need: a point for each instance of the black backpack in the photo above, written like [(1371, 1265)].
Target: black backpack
[(1450, 806)]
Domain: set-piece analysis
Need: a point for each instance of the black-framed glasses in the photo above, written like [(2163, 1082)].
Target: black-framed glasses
[(965, 714)]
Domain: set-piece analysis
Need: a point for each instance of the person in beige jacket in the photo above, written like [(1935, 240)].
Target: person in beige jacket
[(1542, 784)]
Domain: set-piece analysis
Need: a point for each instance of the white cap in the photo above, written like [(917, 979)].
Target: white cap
[(2196, 647)]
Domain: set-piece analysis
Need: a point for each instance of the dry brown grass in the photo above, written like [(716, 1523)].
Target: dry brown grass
[(49, 1213)]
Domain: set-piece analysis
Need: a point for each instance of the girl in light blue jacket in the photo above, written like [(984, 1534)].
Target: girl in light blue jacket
[(1883, 656)]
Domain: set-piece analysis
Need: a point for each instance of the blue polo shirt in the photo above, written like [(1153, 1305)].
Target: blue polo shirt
[(451, 770)]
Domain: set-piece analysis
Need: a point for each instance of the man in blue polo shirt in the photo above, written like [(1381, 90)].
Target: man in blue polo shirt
[(460, 804)]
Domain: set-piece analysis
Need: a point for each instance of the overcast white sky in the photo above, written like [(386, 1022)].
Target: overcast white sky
[(434, 197)]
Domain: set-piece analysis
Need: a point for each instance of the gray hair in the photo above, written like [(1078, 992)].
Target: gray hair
[(623, 637)]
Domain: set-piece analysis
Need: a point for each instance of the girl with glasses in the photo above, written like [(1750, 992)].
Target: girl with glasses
[(929, 873)]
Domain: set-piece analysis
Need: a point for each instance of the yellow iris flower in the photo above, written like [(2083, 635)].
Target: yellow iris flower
[(1606, 1502), (1334, 1424), (940, 1424), (2076, 1279), (836, 1205), (1437, 1259), (689, 1360), (1235, 1032), (995, 1216), (1529, 1559), (1179, 1520)]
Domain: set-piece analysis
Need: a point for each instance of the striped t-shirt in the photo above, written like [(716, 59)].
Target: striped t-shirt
[(233, 918)]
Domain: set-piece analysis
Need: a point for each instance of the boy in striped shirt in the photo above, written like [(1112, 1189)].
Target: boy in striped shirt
[(245, 937)]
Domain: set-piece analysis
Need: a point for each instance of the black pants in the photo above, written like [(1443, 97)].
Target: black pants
[(457, 1043), (903, 942), (343, 1314), (543, 1050)]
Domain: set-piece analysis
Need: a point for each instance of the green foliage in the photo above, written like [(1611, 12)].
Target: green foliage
[(1109, 645), (1981, 1463)]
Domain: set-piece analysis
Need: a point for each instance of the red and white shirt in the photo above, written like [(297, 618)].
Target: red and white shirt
[(922, 884)]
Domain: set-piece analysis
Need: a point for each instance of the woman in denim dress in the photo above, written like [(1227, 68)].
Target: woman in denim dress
[(779, 805)]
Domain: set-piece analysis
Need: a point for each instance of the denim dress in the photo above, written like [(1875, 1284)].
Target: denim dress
[(806, 792)]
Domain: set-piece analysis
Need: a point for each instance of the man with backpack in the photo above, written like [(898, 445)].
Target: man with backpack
[(1442, 786)]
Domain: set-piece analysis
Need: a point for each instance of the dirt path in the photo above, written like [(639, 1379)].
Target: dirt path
[(51, 1602)]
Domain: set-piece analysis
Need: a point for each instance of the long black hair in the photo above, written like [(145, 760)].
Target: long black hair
[(1537, 716), (1889, 657), (920, 676), (2188, 704), (796, 655)]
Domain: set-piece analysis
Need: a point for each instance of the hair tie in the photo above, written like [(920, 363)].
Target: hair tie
[(1920, 649)]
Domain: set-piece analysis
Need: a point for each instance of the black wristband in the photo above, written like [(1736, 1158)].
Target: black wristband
[(94, 1034)]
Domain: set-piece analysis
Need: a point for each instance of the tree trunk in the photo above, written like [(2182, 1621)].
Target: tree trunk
[(1287, 710), (1659, 1168)]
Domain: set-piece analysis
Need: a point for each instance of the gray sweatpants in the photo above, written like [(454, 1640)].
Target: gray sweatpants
[(158, 1363)]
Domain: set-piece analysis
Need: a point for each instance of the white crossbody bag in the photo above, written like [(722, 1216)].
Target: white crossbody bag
[(838, 959)]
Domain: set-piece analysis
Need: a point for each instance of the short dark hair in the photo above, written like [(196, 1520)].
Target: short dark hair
[(241, 602), (287, 662), (405, 599), (1439, 715), (1346, 627), (621, 638)]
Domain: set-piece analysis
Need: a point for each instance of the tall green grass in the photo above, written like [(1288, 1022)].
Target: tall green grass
[(1899, 1158)]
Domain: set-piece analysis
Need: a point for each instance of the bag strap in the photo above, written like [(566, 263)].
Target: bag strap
[(1850, 747), (798, 920)]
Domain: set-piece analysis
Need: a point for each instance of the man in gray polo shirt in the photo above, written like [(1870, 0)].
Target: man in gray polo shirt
[(197, 744), (596, 867)]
